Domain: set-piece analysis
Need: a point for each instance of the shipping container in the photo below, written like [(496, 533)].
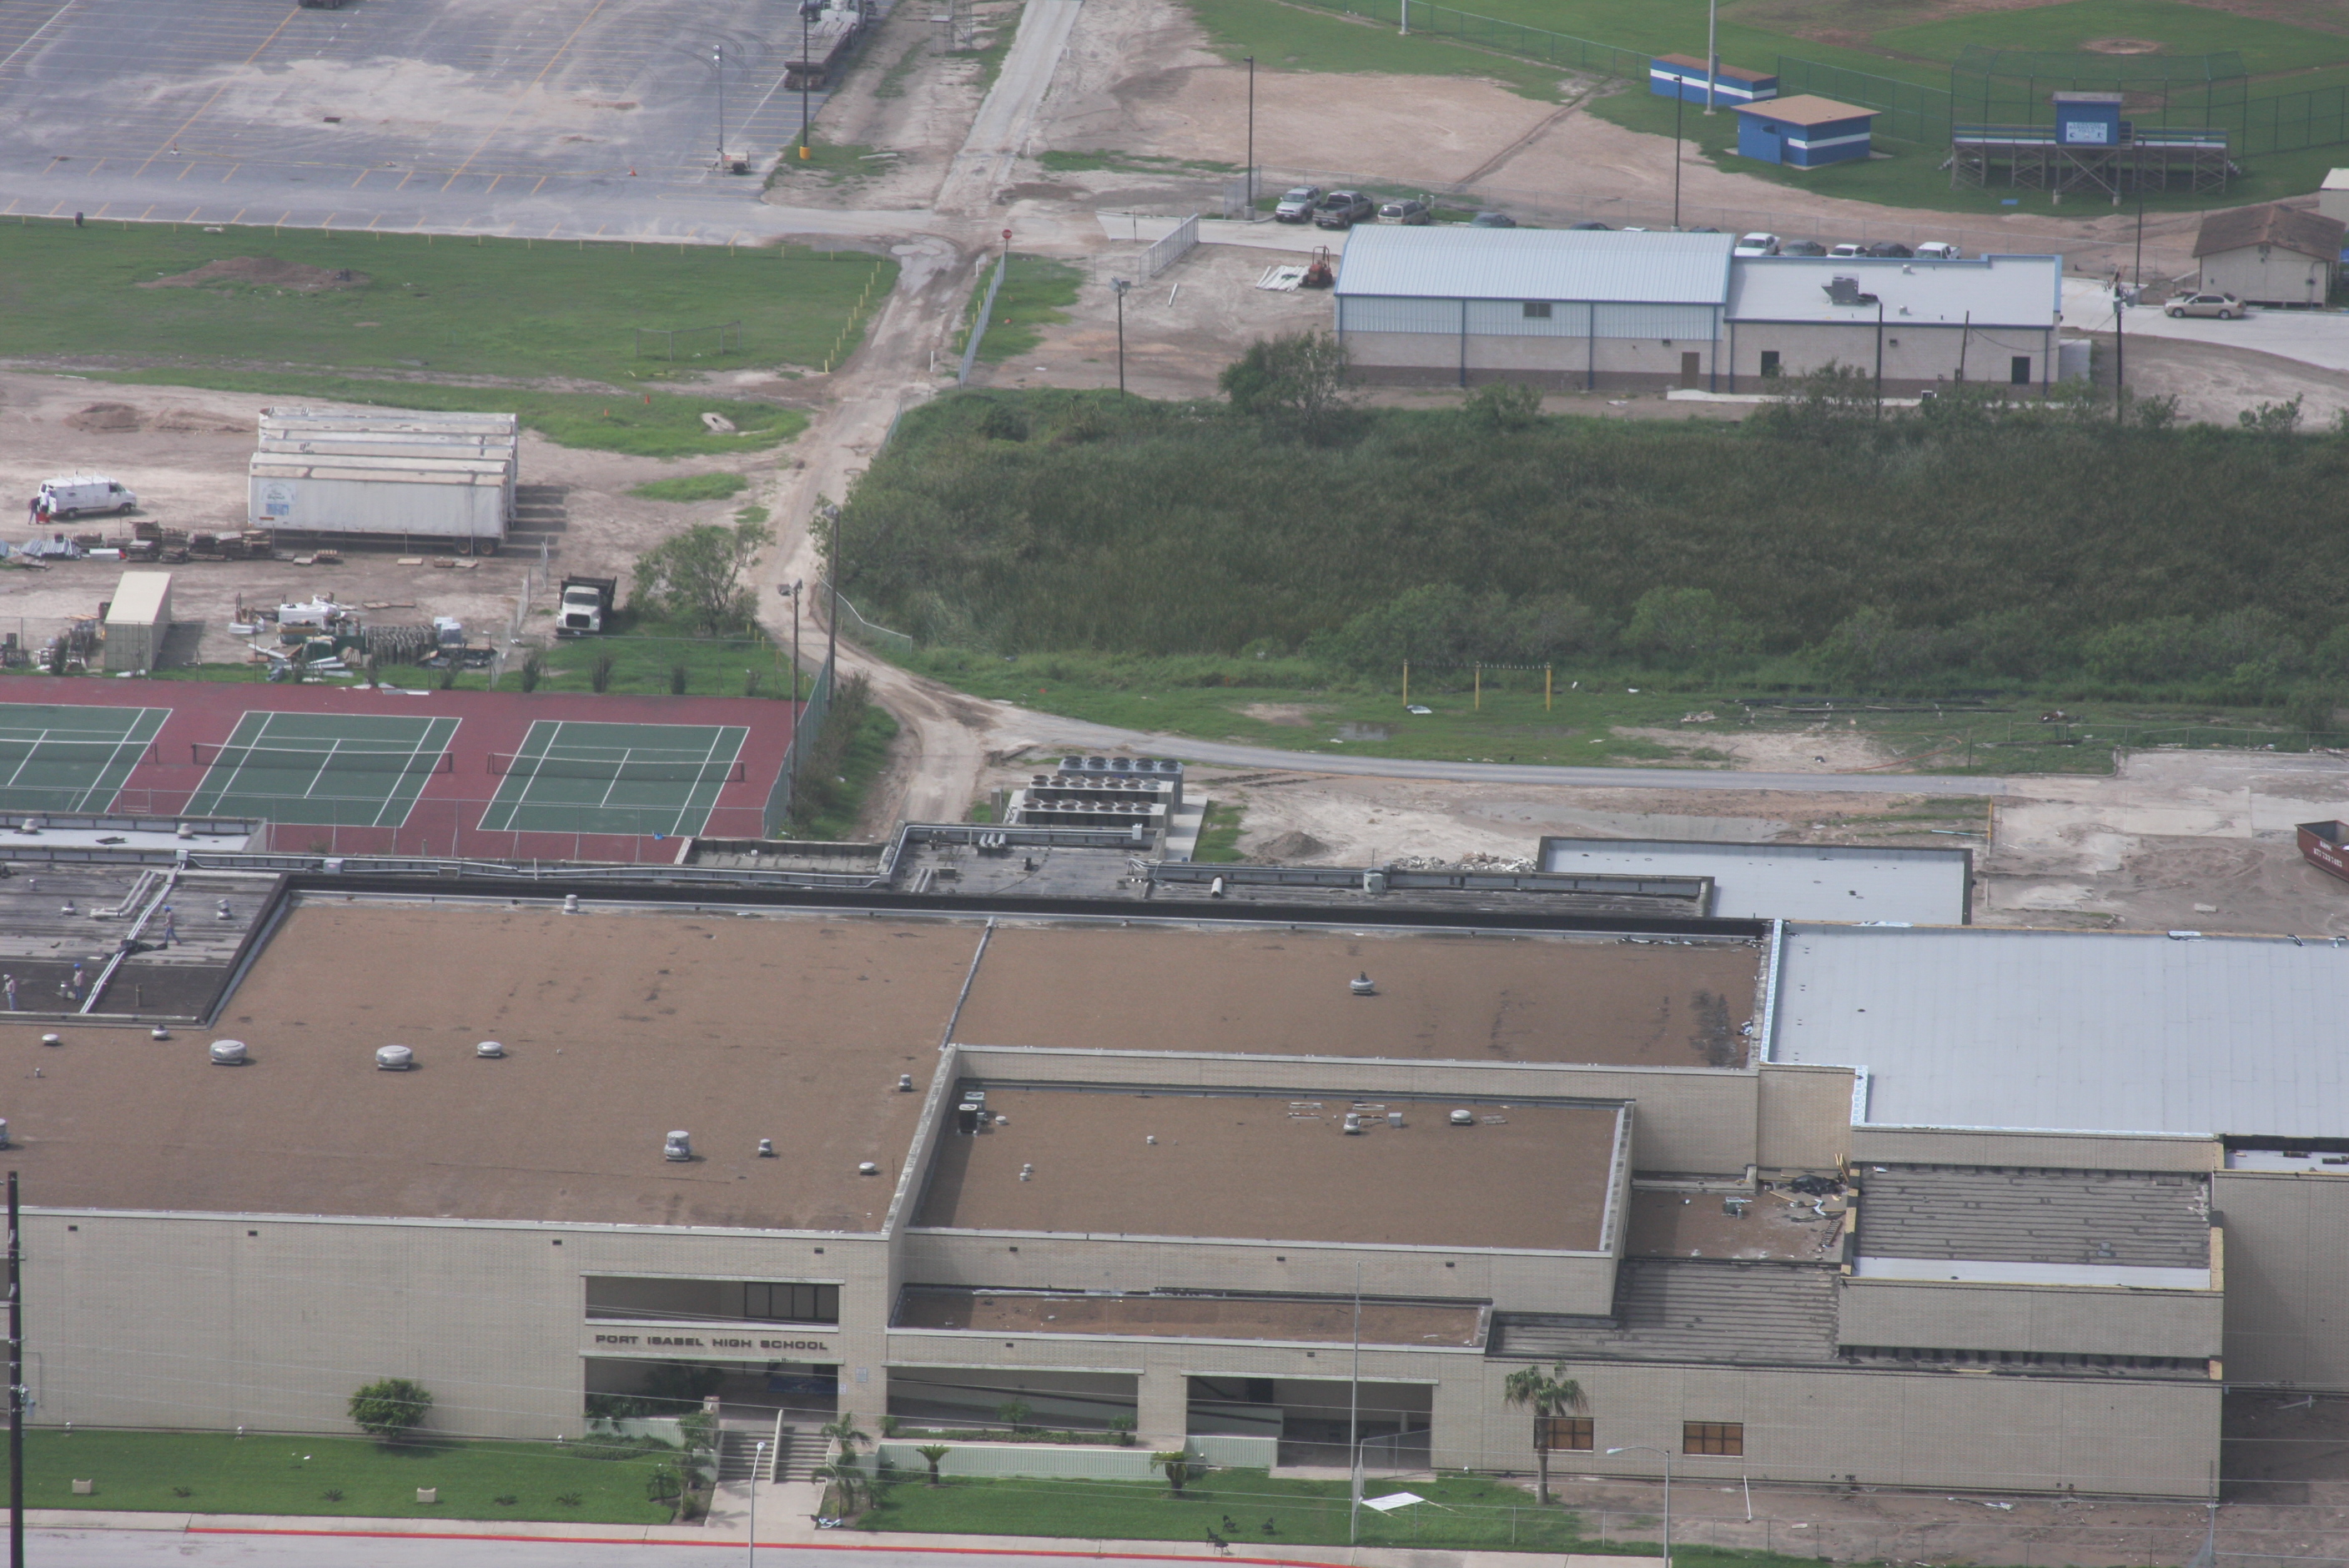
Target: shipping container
[(137, 619), (453, 498), (2325, 846)]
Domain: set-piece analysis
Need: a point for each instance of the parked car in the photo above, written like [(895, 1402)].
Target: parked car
[(1296, 204), (1802, 248), (1890, 251), (1492, 221), (2225, 306), (1592, 223), (1701, 229), (1755, 245), (1937, 251), (1406, 211), (1847, 251), (1343, 210)]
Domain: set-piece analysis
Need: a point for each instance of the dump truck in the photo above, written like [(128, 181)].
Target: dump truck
[(587, 602)]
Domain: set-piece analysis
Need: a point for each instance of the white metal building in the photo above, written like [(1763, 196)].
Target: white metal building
[(2270, 254), (1456, 306), (1928, 323), (1792, 881)]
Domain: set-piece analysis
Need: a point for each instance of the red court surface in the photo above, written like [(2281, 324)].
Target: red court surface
[(437, 806)]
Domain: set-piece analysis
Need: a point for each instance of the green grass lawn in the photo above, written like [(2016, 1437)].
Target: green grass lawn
[(203, 1472), (827, 164), (2180, 29), (1293, 37), (1219, 834), (514, 308), (1036, 294), (693, 487), (832, 812)]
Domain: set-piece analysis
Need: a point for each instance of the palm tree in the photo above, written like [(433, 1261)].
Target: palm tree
[(846, 1481), (1179, 1467), (934, 1452), (846, 1433), (1549, 1393)]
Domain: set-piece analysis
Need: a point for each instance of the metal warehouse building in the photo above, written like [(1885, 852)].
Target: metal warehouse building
[(1456, 306), (1923, 324)]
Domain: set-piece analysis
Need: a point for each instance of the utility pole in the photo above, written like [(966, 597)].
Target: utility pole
[(1353, 1416), (1118, 286), (1711, 50), (1680, 101), (831, 570), (2138, 269), (1251, 145), (717, 59), (2120, 358), (15, 1386), (1879, 359), (806, 71)]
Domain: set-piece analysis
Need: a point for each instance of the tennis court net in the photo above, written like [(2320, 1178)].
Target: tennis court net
[(330, 757), (630, 768), (21, 748)]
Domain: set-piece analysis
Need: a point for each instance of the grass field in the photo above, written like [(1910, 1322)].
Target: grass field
[(2180, 30), (1036, 293), (693, 487), (189, 1473), (510, 308), (1291, 38)]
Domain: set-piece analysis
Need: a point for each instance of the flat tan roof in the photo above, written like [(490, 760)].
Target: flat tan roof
[(1313, 1319), (620, 1027), (1600, 1000), (1772, 1224), (1276, 1167)]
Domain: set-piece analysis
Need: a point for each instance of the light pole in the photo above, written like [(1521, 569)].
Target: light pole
[(1120, 285), (1666, 1455), (718, 59), (750, 1546), (1251, 147), (1680, 101), (1711, 50), (806, 71), (2138, 268), (1880, 358), (2120, 358), (831, 570)]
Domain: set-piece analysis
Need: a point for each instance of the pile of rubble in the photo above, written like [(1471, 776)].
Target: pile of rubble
[(1469, 863)]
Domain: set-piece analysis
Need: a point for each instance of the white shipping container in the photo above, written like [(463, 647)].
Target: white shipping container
[(436, 498), (137, 619), (387, 420)]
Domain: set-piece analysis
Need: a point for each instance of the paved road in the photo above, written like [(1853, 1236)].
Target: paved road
[(1079, 735), (2313, 337), (999, 132)]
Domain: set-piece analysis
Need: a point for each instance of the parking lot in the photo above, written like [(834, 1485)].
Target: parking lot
[(558, 115)]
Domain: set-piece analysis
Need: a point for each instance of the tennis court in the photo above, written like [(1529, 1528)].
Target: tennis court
[(59, 758), (322, 768), (573, 776)]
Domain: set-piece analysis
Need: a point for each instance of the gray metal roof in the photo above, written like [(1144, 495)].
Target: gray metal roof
[(2076, 1031), (1789, 881), (1448, 261), (2099, 1218), (1995, 291)]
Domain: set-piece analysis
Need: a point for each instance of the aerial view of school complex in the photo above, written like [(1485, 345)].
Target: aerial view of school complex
[(1334, 783)]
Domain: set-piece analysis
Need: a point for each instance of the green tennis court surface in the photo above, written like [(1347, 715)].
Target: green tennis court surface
[(55, 758), (573, 777), (323, 768)]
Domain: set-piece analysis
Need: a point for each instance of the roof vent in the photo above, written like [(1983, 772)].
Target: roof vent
[(766, 1149), (905, 1083), (490, 1049), (159, 1033), (1464, 1119), (1394, 1118), (187, 831), (866, 1168), (394, 1058), (4, 1134), (53, 1039), (1353, 1125), (1361, 984), (677, 1146), (1026, 1171), (228, 1052)]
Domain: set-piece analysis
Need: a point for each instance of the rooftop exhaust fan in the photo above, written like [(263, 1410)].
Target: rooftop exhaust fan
[(677, 1146), (867, 1168), (1361, 984), (228, 1052), (394, 1058), (1464, 1119), (489, 1050), (766, 1149)]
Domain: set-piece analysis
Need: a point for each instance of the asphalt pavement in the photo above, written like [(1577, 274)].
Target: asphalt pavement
[(2318, 337)]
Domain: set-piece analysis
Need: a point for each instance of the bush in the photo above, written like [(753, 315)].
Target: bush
[(389, 1409), (693, 487)]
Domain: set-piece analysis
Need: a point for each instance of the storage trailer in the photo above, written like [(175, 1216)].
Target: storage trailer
[(450, 501)]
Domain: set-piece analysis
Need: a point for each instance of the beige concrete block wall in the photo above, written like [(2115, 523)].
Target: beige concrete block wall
[(1802, 1118), (1957, 1431), (2287, 1277), (1915, 354), (2050, 1150), (2049, 1320), (1516, 1282), (1435, 357), (153, 1321)]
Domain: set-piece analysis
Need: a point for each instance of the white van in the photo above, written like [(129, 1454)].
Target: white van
[(79, 493), (1936, 251)]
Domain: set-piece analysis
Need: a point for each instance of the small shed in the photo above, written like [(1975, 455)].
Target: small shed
[(1683, 76), (2088, 119), (2270, 254), (1805, 131), (137, 619), (2333, 196)]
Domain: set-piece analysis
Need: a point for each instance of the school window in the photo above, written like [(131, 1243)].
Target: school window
[(2018, 370), (1721, 1438), (1769, 362), (1536, 310), (791, 1302), (1569, 1433)]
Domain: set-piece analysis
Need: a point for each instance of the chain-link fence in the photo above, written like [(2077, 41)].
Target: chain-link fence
[(1905, 112), (783, 797), (1491, 32)]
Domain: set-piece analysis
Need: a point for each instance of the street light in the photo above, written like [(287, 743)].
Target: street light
[(1711, 50), (1120, 285), (718, 59), (758, 1458), (807, 12), (1251, 147), (1680, 101), (1666, 1455)]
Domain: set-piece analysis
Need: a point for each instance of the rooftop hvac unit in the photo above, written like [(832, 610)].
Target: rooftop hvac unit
[(228, 1052), (394, 1058), (677, 1146)]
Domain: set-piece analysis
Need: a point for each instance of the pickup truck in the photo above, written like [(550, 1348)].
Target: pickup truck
[(587, 602)]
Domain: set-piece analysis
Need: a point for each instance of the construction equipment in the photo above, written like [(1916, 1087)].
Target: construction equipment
[(1321, 273)]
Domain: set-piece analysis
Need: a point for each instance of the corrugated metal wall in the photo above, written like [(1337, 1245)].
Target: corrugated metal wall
[(1507, 318)]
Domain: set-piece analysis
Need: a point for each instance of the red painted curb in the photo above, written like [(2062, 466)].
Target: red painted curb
[(761, 1546)]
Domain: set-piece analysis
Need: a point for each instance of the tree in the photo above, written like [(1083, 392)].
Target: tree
[(934, 1452), (664, 1483), (846, 1433), (847, 1482), (1685, 623), (1298, 379), (1014, 1413), (1180, 1468), (1549, 1393), (1503, 405), (389, 1409), (696, 576)]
